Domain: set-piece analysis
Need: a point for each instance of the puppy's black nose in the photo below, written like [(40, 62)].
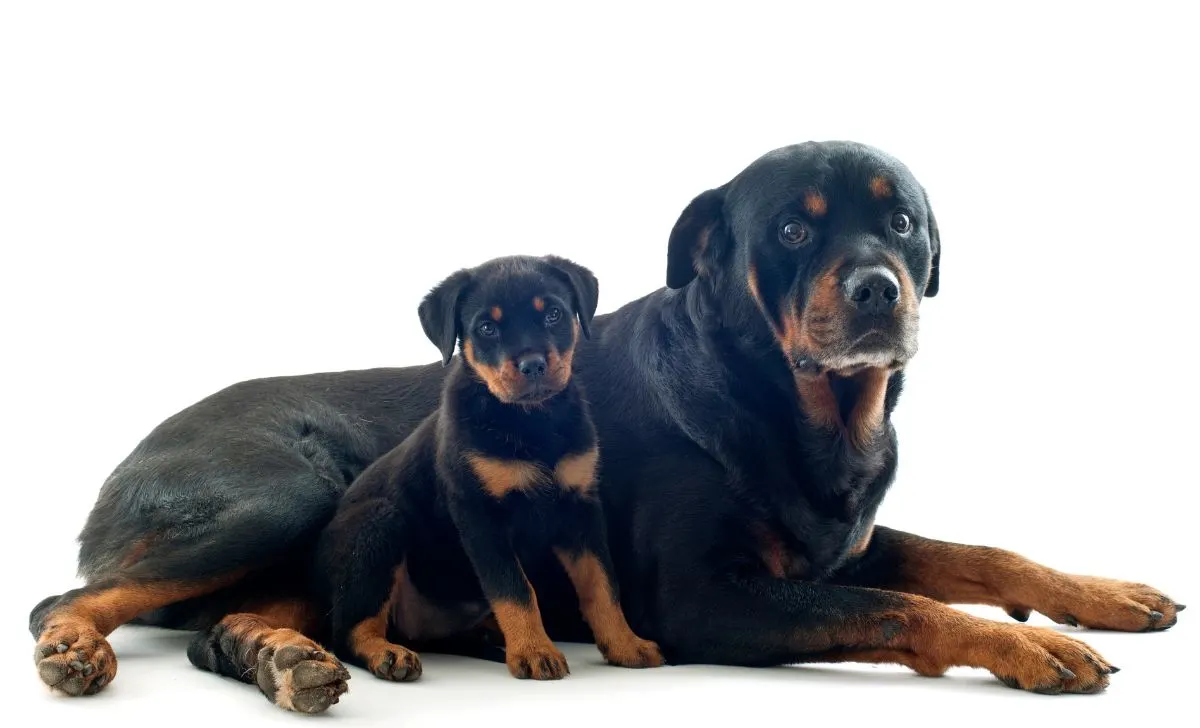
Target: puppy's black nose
[(873, 290), (532, 366)]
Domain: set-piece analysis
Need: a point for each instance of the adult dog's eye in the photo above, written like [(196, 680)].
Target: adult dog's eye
[(793, 233), (552, 316), (487, 328), (901, 222)]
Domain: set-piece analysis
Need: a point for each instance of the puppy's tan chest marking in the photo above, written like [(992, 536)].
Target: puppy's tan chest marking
[(501, 476), (578, 471)]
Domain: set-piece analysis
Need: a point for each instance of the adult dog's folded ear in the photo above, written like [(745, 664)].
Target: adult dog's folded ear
[(935, 244), (699, 239), (439, 313), (584, 286)]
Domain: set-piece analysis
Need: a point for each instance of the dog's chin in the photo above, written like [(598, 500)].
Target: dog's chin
[(851, 360), (530, 396)]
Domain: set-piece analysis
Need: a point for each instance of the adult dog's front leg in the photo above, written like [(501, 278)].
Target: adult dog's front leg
[(956, 573), (761, 620)]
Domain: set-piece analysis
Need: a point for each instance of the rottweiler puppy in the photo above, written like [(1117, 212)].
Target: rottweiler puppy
[(430, 539)]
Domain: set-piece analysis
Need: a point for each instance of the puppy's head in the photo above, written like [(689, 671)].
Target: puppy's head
[(834, 244), (518, 319)]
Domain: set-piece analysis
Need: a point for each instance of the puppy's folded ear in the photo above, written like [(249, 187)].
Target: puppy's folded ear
[(439, 313), (935, 244), (584, 287), (698, 239)]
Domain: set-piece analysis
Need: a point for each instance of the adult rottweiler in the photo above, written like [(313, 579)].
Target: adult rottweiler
[(744, 413), (432, 536)]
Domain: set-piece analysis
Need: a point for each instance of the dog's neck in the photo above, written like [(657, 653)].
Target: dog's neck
[(853, 405)]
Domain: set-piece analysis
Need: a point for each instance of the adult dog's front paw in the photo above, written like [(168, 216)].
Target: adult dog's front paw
[(1099, 603)]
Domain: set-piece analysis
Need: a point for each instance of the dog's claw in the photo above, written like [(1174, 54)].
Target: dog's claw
[(1019, 613), (1156, 616), (1071, 621)]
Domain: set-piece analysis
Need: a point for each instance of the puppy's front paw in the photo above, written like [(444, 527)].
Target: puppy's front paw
[(634, 652), (537, 661)]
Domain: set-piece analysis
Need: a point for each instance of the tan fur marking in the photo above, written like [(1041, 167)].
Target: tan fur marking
[(962, 574), (82, 623), (559, 364), (246, 637), (521, 624), (296, 614), (823, 318), (815, 204), (368, 637), (502, 381), (788, 334), (880, 187), (497, 313), (528, 649), (369, 640), (866, 417), (603, 613), (539, 304), (817, 401), (108, 609), (501, 477), (578, 471), (908, 292), (931, 637)]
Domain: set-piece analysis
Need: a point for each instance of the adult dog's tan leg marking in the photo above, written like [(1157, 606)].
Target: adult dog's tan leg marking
[(72, 655), (956, 573)]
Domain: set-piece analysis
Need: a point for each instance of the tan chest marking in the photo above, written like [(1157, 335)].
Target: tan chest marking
[(499, 476), (578, 471)]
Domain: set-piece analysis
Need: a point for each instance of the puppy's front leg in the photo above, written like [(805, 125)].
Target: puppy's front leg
[(583, 552), (529, 653)]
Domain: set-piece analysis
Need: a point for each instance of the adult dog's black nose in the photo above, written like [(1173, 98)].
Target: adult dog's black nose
[(532, 366), (873, 290)]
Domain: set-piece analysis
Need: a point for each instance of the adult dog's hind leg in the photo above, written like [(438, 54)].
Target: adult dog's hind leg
[(72, 655), (267, 647)]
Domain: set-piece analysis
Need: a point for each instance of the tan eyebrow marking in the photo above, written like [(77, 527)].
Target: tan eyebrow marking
[(880, 187), (815, 203)]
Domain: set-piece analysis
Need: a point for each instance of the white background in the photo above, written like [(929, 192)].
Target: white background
[(196, 194)]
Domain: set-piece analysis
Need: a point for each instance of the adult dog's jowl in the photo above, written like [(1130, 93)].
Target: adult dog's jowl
[(744, 415)]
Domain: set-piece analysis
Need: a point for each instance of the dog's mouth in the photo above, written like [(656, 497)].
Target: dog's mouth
[(533, 395), (530, 393), (888, 344)]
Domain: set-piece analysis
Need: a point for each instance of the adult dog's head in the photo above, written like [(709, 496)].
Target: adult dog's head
[(833, 243)]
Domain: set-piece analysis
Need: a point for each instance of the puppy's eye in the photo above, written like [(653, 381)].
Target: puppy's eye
[(488, 329), (901, 222), (553, 316), (793, 233)]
